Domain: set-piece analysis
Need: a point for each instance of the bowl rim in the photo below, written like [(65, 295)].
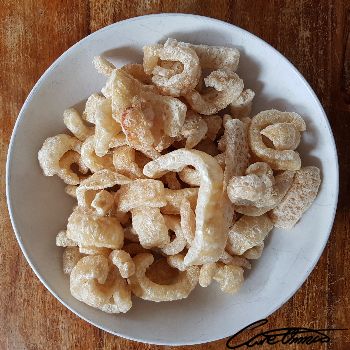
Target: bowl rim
[(37, 87)]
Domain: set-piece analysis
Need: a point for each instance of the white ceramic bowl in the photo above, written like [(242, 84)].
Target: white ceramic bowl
[(39, 207)]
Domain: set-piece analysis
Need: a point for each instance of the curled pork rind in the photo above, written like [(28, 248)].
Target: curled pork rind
[(90, 158), (97, 283), (298, 199), (248, 232), (242, 106), (89, 229), (277, 159), (144, 288), (51, 152), (75, 124), (225, 86), (98, 181), (284, 136), (229, 277), (210, 236), (169, 82), (141, 193), (149, 224)]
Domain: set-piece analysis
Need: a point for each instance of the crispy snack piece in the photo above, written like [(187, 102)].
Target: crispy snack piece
[(174, 199), (106, 128), (149, 224), (217, 57), (228, 259), (103, 66), (90, 158), (135, 248), (141, 193), (210, 237), (298, 199), (171, 181), (144, 288), (138, 132), (91, 250), (128, 92), (103, 202), (71, 256), (75, 124), (167, 80), (52, 151), (242, 106), (98, 181), (190, 176), (63, 241), (123, 261), (136, 71), (229, 277), (226, 87), (214, 123), (237, 149), (97, 283), (284, 136), (88, 229), (188, 221), (66, 162), (160, 272), (91, 107), (194, 129), (278, 160), (177, 245), (71, 190), (245, 190), (248, 232), (271, 197), (255, 252), (125, 163)]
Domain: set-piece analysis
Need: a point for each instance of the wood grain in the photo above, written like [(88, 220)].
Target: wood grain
[(314, 35)]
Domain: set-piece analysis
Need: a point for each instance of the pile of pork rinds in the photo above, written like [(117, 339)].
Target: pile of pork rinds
[(169, 192)]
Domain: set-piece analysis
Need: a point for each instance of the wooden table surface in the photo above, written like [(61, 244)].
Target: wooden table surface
[(311, 34)]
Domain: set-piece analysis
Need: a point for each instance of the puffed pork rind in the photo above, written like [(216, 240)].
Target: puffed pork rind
[(298, 199)]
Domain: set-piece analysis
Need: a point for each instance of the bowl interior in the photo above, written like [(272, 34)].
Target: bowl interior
[(39, 207)]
